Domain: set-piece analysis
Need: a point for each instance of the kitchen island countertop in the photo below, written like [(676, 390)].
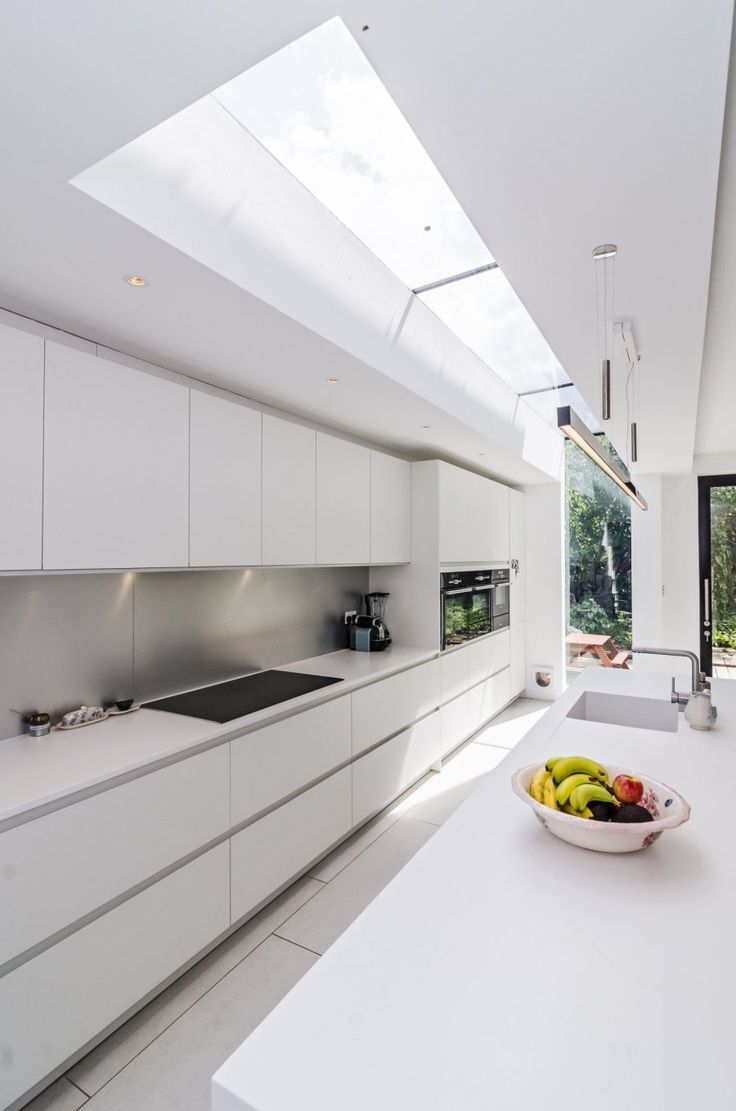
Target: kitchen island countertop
[(504, 969)]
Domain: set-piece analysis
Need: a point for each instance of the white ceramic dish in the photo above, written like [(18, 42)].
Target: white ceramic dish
[(669, 810), (80, 724), (113, 711)]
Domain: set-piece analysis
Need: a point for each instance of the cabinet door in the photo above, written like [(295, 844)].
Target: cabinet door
[(481, 520), (282, 758), (62, 866), (289, 459), (54, 1004), (517, 550), (391, 704), (381, 775), (343, 501), (518, 659), (487, 699), (454, 672), (116, 465), (21, 449), (390, 509), (499, 516), (224, 483), (455, 721), (271, 851), (453, 499)]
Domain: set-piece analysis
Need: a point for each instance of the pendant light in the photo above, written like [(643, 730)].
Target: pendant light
[(577, 430), (604, 257)]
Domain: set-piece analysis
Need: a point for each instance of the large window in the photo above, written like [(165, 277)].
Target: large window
[(599, 564)]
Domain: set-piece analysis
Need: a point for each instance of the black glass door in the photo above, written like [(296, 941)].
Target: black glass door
[(717, 543)]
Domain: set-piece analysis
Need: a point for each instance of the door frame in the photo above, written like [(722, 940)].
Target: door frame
[(705, 586)]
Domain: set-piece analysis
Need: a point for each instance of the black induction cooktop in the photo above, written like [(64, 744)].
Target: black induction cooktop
[(237, 697)]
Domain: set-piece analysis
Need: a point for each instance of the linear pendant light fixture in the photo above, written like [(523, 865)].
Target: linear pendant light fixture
[(576, 430), (604, 256)]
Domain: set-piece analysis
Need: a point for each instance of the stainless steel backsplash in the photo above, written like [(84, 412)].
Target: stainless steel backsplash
[(68, 640)]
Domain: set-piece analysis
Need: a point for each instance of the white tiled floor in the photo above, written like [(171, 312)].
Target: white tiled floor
[(163, 1058)]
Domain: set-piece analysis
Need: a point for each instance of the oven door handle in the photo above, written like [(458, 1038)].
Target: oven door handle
[(462, 590)]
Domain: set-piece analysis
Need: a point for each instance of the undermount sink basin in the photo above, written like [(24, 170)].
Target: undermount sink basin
[(624, 709)]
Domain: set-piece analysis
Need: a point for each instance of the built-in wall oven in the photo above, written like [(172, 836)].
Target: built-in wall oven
[(473, 603)]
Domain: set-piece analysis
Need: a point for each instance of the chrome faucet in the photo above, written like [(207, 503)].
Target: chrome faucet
[(699, 679)]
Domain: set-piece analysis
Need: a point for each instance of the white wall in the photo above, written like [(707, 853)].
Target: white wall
[(665, 585), (546, 556)]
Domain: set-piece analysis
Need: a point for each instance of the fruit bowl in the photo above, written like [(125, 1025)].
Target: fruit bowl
[(668, 808)]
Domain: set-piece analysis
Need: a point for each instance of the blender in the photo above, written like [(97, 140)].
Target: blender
[(369, 631)]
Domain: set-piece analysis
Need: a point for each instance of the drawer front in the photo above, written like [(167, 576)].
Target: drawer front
[(488, 698), (381, 775), (488, 656), (454, 673), (394, 703), (455, 721), (268, 853), (274, 762), (518, 658), (57, 868), (53, 1005)]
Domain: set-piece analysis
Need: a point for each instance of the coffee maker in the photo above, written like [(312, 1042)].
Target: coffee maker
[(369, 632)]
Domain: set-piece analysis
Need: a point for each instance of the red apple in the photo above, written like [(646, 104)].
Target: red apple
[(627, 789)]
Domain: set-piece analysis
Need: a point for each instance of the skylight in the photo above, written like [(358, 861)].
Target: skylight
[(320, 109)]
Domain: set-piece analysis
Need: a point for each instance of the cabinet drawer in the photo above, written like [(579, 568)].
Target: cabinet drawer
[(381, 775), (488, 698), (455, 721), (518, 658), (52, 1006), (60, 867), (488, 656), (389, 705), (267, 854), (274, 762), (454, 673)]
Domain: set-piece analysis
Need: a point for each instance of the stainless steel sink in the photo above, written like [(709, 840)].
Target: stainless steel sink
[(624, 709)]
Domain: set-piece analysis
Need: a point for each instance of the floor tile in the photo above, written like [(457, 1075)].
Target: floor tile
[(441, 795), (104, 1062), (174, 1072), (513, 724), (332, 910), (59, 1096)]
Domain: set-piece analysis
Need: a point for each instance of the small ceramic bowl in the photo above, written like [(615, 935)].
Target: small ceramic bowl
[(667, 807)]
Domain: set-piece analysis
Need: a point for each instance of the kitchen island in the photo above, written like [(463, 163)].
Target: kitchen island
[(505, 969)]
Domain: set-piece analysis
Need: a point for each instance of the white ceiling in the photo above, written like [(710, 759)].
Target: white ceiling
[(557, 126)]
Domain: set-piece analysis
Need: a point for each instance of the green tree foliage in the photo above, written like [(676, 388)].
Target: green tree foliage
[(599, 550), (723, 564)]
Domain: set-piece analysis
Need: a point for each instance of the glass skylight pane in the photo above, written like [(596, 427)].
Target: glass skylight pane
[(487, 315), (321, 110), (546, 404)]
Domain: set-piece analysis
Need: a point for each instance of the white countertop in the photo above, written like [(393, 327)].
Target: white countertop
[(37, 771), (505, 970)]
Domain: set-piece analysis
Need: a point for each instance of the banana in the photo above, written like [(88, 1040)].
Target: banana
[(551, 762), (536, 786), (568, 785), (548, 793), (570, 765), (578, 813), (589, 792)]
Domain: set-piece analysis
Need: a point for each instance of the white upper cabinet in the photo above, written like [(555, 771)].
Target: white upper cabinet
[(115, 465), (453, 498), (224, 483), (289, 499), (343, 501), (390, 509), (498, 514), (517, 551), (21, 449), (481, 523)]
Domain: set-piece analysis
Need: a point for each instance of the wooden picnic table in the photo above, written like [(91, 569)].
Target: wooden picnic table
[(601, 647)]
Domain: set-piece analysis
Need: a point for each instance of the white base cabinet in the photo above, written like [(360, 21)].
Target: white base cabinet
[(518, 659), (271, 851), (386, 707), (60, 1000), (381, 775)]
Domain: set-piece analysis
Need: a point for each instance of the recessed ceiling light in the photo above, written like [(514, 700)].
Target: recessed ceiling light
[(481, 453), (606, 250), (136, 280), (332, 381), (365, 27), (426, 426)]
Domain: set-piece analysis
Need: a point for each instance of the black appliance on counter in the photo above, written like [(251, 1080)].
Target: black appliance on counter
[(233, 699), (368, 631), (472, 604)]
